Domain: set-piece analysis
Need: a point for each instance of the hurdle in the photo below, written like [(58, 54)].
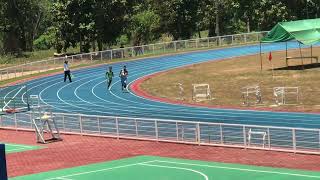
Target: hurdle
[(251, 133), (201, 92), (281, 95), (251, 91)]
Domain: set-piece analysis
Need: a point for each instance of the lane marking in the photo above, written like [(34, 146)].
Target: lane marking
[(240, 169)]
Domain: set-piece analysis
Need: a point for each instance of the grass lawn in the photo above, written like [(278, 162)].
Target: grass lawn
[(227, 77)]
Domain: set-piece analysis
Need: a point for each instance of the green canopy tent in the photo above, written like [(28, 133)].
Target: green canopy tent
[(306, 32)]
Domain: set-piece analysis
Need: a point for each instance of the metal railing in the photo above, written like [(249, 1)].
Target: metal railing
[(130, 53), (297, 140)]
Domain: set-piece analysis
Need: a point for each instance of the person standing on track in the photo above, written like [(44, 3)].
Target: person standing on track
[(109, 76), (66, 71), (124, 76)]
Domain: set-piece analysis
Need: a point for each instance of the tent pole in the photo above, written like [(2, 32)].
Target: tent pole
[(260, 58), (301, 55), (311, 55), (287, 53)]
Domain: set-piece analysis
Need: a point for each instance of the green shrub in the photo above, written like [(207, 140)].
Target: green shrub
[(46, 40)]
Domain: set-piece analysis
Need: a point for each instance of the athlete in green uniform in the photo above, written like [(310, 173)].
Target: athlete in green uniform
[(109, 75)]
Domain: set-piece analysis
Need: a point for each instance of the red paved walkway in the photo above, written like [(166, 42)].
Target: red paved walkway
[(80, 150)]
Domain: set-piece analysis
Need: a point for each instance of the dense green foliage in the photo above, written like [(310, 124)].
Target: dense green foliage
[(92, 25)]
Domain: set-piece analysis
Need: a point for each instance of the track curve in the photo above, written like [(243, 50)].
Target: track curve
[(87, 94)]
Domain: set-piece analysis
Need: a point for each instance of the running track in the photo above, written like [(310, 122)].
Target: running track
[(87, 93)]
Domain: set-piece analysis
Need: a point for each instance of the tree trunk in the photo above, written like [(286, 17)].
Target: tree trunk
[(217, 29), (81, 45), (248, 25)]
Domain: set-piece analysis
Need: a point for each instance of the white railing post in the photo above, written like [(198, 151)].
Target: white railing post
[(101, 55), (136, 126), (221, 134), (245, 38), (111, 52), (153, 49), (294, 142), (197, 43), (31, 126), (219, 41), (175, 46), (132, 53), (269, 140), (208, 41), (185, 45), (63, 123), (177, 131), (156, 129), (319, 139), (232, 39), (117, 127), (15, 120), (244, 136), (198, 134), (80, 124), (99, 128)]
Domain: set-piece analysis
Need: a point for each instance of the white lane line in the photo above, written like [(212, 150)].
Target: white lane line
[(11, 98), (221, 112), (240, 169), (172, 167), (99, 170)]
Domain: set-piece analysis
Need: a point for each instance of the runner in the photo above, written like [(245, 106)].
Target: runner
[(109, 76), (66, 71), (123, 76)]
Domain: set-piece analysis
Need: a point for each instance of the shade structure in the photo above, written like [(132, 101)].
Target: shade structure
[(305, 31)]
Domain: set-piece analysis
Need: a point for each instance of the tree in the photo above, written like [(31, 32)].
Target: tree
[(177, 17), (20, 22), (144, 27)]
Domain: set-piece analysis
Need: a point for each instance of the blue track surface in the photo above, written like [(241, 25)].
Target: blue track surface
[(87, 94)]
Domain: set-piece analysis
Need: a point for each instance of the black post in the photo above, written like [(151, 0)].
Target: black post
[(287, 53), (260, 57), (3, 163), (301, 55)]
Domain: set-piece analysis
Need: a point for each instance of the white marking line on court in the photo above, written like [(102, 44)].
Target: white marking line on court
[(16, 149), (241, 169), (171, 167), (61, 178), (100, 170)]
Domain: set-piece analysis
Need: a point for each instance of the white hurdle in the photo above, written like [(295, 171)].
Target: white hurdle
[(201, 92), (251, 91), (282, 94), (260, 133)]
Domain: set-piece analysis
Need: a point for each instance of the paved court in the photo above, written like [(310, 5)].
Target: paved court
[(158, 168)]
